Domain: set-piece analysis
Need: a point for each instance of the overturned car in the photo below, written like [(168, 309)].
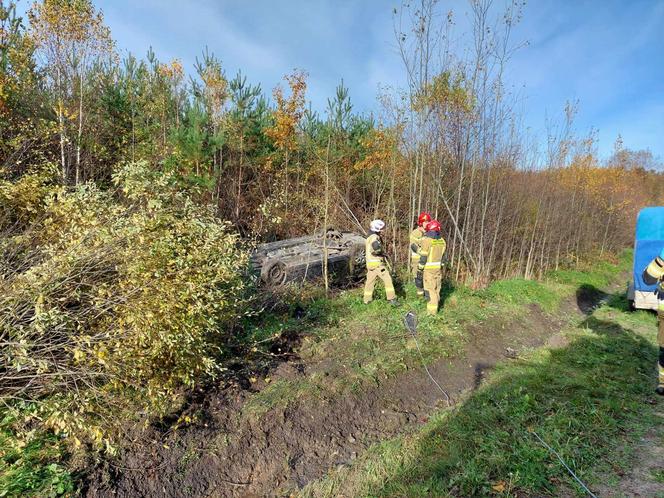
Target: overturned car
[(302, 258)]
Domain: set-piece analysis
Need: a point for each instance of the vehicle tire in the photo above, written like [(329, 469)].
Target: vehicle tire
[(630, 305), (357, 259), (274, 273)]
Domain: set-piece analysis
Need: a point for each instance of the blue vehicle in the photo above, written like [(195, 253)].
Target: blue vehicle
[(648, 243)]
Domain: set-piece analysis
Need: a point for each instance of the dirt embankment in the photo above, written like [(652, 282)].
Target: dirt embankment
[(226, 453)]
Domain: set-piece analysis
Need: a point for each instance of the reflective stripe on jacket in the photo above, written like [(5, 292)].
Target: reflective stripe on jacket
[(435, 256), (431, 251), (374, 251), (654, 274), (654, 271)]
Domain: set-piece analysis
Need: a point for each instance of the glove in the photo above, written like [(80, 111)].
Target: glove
[(419, 280)]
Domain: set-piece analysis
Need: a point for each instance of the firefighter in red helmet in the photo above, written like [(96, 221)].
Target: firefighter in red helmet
[(415, 244), (430, 265)]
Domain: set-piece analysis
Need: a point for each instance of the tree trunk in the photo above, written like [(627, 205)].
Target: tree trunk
[(80, 128)]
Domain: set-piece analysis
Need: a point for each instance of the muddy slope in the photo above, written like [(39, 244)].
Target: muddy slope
[(227, 455)]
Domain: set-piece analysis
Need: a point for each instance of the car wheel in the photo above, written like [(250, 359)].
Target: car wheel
[(357, 260), (274, 273)]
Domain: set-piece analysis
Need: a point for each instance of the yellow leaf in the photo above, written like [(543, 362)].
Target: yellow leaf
[(499, 487)]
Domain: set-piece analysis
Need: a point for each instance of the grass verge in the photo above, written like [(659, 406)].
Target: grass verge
[(589, 400), (350, 344)]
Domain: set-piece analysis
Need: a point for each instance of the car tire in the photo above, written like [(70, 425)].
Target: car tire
[(274, 273), (357, 261)]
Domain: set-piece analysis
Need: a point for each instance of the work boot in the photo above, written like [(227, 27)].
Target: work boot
[(394, 302), (660, 390)]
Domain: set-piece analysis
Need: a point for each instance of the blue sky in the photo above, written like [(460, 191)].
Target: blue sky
[(607, 54)]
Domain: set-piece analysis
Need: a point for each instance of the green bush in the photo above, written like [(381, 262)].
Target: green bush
[(134, 292)]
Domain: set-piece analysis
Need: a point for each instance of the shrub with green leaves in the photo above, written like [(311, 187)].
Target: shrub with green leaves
[(128, 292)]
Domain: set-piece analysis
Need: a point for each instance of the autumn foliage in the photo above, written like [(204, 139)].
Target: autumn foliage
[(104, 294), (128, 188)]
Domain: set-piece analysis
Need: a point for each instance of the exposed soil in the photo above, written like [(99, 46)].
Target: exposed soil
[(646, 477), (226, 454)]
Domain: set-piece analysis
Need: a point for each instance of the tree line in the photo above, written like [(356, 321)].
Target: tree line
[(450, 142)]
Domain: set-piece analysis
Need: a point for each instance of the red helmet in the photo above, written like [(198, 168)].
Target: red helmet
[(433, 226), (423, 218)]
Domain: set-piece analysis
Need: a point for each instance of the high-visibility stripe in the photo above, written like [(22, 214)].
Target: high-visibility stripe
[(655, 269), (661, 374), (372, 261), (434, 254), (389, 289), (432, 307)]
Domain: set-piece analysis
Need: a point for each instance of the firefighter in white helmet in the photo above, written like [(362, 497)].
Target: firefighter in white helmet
[(376, 264)]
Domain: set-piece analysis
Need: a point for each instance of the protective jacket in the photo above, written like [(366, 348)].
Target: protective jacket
[(431, 252), (430, 267), (376, 269), (415, 243), (654, 273), (375, 255)]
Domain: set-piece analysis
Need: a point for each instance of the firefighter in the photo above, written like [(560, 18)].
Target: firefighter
[(654, 274), (377, 264), (415, 242), (430, 265)]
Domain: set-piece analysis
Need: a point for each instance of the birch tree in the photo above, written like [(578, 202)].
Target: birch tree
[(71, 38)]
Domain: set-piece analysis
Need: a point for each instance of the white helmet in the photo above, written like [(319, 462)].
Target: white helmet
[(377, 225)]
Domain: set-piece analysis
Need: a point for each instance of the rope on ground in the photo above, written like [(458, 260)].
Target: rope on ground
[(564, 464), (410, 320)]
